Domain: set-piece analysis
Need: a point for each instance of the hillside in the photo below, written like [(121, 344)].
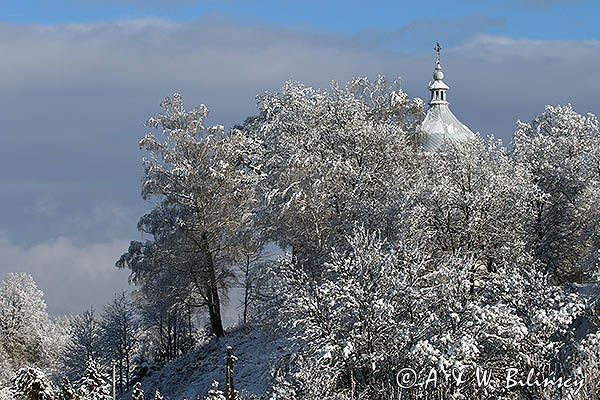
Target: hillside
[(192, 374)]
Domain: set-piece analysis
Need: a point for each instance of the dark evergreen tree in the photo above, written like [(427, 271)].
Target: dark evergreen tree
[(138, 393), (67, 392), (31, 384), (95, 384)]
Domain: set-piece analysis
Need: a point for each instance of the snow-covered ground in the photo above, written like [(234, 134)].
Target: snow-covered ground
[(191, 375)]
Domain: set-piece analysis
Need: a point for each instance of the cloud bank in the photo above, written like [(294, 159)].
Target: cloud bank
[(73, 278)]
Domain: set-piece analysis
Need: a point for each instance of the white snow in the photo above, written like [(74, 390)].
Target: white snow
[(192, 375)]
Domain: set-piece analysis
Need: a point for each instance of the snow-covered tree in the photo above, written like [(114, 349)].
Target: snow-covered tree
[(67, 391), (206, 180), (561, 148), (120, 329), (167, 291), (253, 263), (333, 158), (31, 384), (166, 325), (465, 199), (23, 316), (28, 337), (383, 307), (85, 343), (138, 393), (95, 383)]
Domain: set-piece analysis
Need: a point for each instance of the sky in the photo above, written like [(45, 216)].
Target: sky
[(78, 79)]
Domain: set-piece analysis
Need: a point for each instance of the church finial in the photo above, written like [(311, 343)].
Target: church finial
[(437, 87), (438, 75)]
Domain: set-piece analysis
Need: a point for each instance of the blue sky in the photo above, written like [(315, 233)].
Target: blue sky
[(78, 78), (532, 19)]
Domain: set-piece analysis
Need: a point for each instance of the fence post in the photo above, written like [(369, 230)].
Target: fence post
[(230, 391), (114, 380)]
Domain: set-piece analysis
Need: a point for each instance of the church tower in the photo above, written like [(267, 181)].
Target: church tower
[(440, 125)]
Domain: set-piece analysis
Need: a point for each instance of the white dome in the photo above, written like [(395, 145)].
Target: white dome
[(440, 124)]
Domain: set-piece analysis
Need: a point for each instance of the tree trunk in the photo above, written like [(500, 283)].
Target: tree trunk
[(169, 337), (212, 295), (127, 371), (189, 310), (175, 337), (247, 288), (121, 389), (214, 311)]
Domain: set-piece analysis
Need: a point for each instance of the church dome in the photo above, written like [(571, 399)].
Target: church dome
[(440, 125)]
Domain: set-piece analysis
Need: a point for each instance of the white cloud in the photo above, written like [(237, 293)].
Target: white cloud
[(421, 34), (72, 276)]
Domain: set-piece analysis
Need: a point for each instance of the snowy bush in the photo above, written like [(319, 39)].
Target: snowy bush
[(94, 384), (6, 394), (215, 393), (138, 393), (32, 384), (67, 392)]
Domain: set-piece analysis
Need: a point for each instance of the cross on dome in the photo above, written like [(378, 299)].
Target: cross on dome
[(438, 75)]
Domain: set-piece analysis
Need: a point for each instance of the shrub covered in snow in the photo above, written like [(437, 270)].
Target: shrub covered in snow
[(138, 393), (6, 394), (32, 384), (67, 392), (215, 393), (95, 384)]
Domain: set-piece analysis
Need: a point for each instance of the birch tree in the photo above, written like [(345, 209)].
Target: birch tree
[(207, 178)]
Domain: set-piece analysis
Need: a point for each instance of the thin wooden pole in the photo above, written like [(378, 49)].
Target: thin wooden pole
[(114, 380), (230, 391)]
